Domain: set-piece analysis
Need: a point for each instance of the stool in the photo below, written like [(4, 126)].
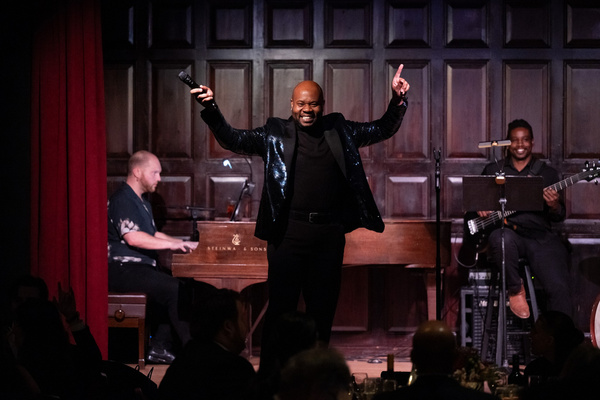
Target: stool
[(493, 296), (128, 310)]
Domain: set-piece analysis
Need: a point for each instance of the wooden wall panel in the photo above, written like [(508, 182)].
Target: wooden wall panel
[(582, 20), (348, 89), (171, 113), (527, 24), (281, 78), (118, 30), (232, 83), (467, 23), (453, 189), (352, 314), (412, 141), (348, 23), (289, 24), (527, 97), (407, 24), (467, 120), (404, 309), (582, 200), (171, 24), (230, 24), (407, 197), (224, 191), (582, 118), (172, 195), (118, 95)]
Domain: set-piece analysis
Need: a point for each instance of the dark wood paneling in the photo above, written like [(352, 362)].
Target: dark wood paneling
[(230, 24), (582, 200), (527, 24), (171, 113), (467, 23), (352, 314), (348, 23), (453, 193), (581, 114), (347, 90), (528, 97), (412, 141), (118, 94), (582, 21), (289, 24), (407, 197), (118, 30), (407, 24), (467, 102), (171, 24), (224, 190), (232, 83)]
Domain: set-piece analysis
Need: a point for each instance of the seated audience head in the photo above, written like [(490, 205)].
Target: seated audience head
[(434, 348), (315, 374), (221, 317), (554, 336), (28, 287)]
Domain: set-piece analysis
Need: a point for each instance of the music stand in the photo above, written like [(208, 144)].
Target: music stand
[(493, 193)]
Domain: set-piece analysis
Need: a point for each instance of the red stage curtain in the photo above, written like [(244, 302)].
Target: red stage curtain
[(68, 158)]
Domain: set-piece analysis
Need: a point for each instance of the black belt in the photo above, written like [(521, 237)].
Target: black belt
[(314, 217)]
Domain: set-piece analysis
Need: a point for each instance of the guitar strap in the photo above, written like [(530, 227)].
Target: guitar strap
[(537, 166)]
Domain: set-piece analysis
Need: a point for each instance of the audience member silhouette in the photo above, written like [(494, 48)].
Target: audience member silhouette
[(433, 353), (29, 287), (578, 379), (42, 347), (210, 367), (294, 332), (315, 374), (553, 338)]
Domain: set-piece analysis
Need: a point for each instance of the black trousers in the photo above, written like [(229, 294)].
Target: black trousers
[(308, 261), (162, 291), (548, 260)]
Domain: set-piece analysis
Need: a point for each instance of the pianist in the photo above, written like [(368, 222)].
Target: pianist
[(315, 191), (132, 243)]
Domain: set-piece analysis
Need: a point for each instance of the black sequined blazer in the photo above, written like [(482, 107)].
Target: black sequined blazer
[(275, 143)]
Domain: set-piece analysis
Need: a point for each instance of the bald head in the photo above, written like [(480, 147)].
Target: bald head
[(434, 348), (143, 172), (139, 159), (307, 103)]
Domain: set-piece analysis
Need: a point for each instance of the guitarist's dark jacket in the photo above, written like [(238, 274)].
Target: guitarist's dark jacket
[(530, 223), (276, 144)]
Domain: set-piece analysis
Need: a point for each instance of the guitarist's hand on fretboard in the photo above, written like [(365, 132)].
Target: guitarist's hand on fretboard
[(484, 214), (552, 198)]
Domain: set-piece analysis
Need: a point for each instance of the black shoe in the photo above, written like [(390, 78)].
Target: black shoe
[(160, 356)]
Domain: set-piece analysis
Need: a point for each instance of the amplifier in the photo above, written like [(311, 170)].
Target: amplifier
[(473, 310)]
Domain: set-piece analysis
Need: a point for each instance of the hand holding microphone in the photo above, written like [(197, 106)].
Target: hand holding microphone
[(207, 100)]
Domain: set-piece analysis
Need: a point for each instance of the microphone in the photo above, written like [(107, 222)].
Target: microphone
[(494, 143), (185, 78)]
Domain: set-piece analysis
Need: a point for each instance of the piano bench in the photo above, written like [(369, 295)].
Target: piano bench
[(128, 310)]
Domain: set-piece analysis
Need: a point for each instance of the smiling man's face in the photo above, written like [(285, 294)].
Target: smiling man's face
[(307, 103), (521, 144)]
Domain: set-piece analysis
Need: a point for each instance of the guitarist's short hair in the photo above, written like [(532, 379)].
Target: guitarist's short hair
[(519, 123)]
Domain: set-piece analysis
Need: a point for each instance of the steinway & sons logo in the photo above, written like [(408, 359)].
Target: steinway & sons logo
[(236, 241)]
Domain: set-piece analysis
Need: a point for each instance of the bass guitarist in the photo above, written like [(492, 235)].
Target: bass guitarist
[(529, 234)]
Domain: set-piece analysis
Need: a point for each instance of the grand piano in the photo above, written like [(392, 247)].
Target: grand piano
[(230, 256)]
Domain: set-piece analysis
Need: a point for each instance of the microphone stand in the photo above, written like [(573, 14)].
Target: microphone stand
[(502, 337), (501, 334), (438, 259), (247, 188)]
